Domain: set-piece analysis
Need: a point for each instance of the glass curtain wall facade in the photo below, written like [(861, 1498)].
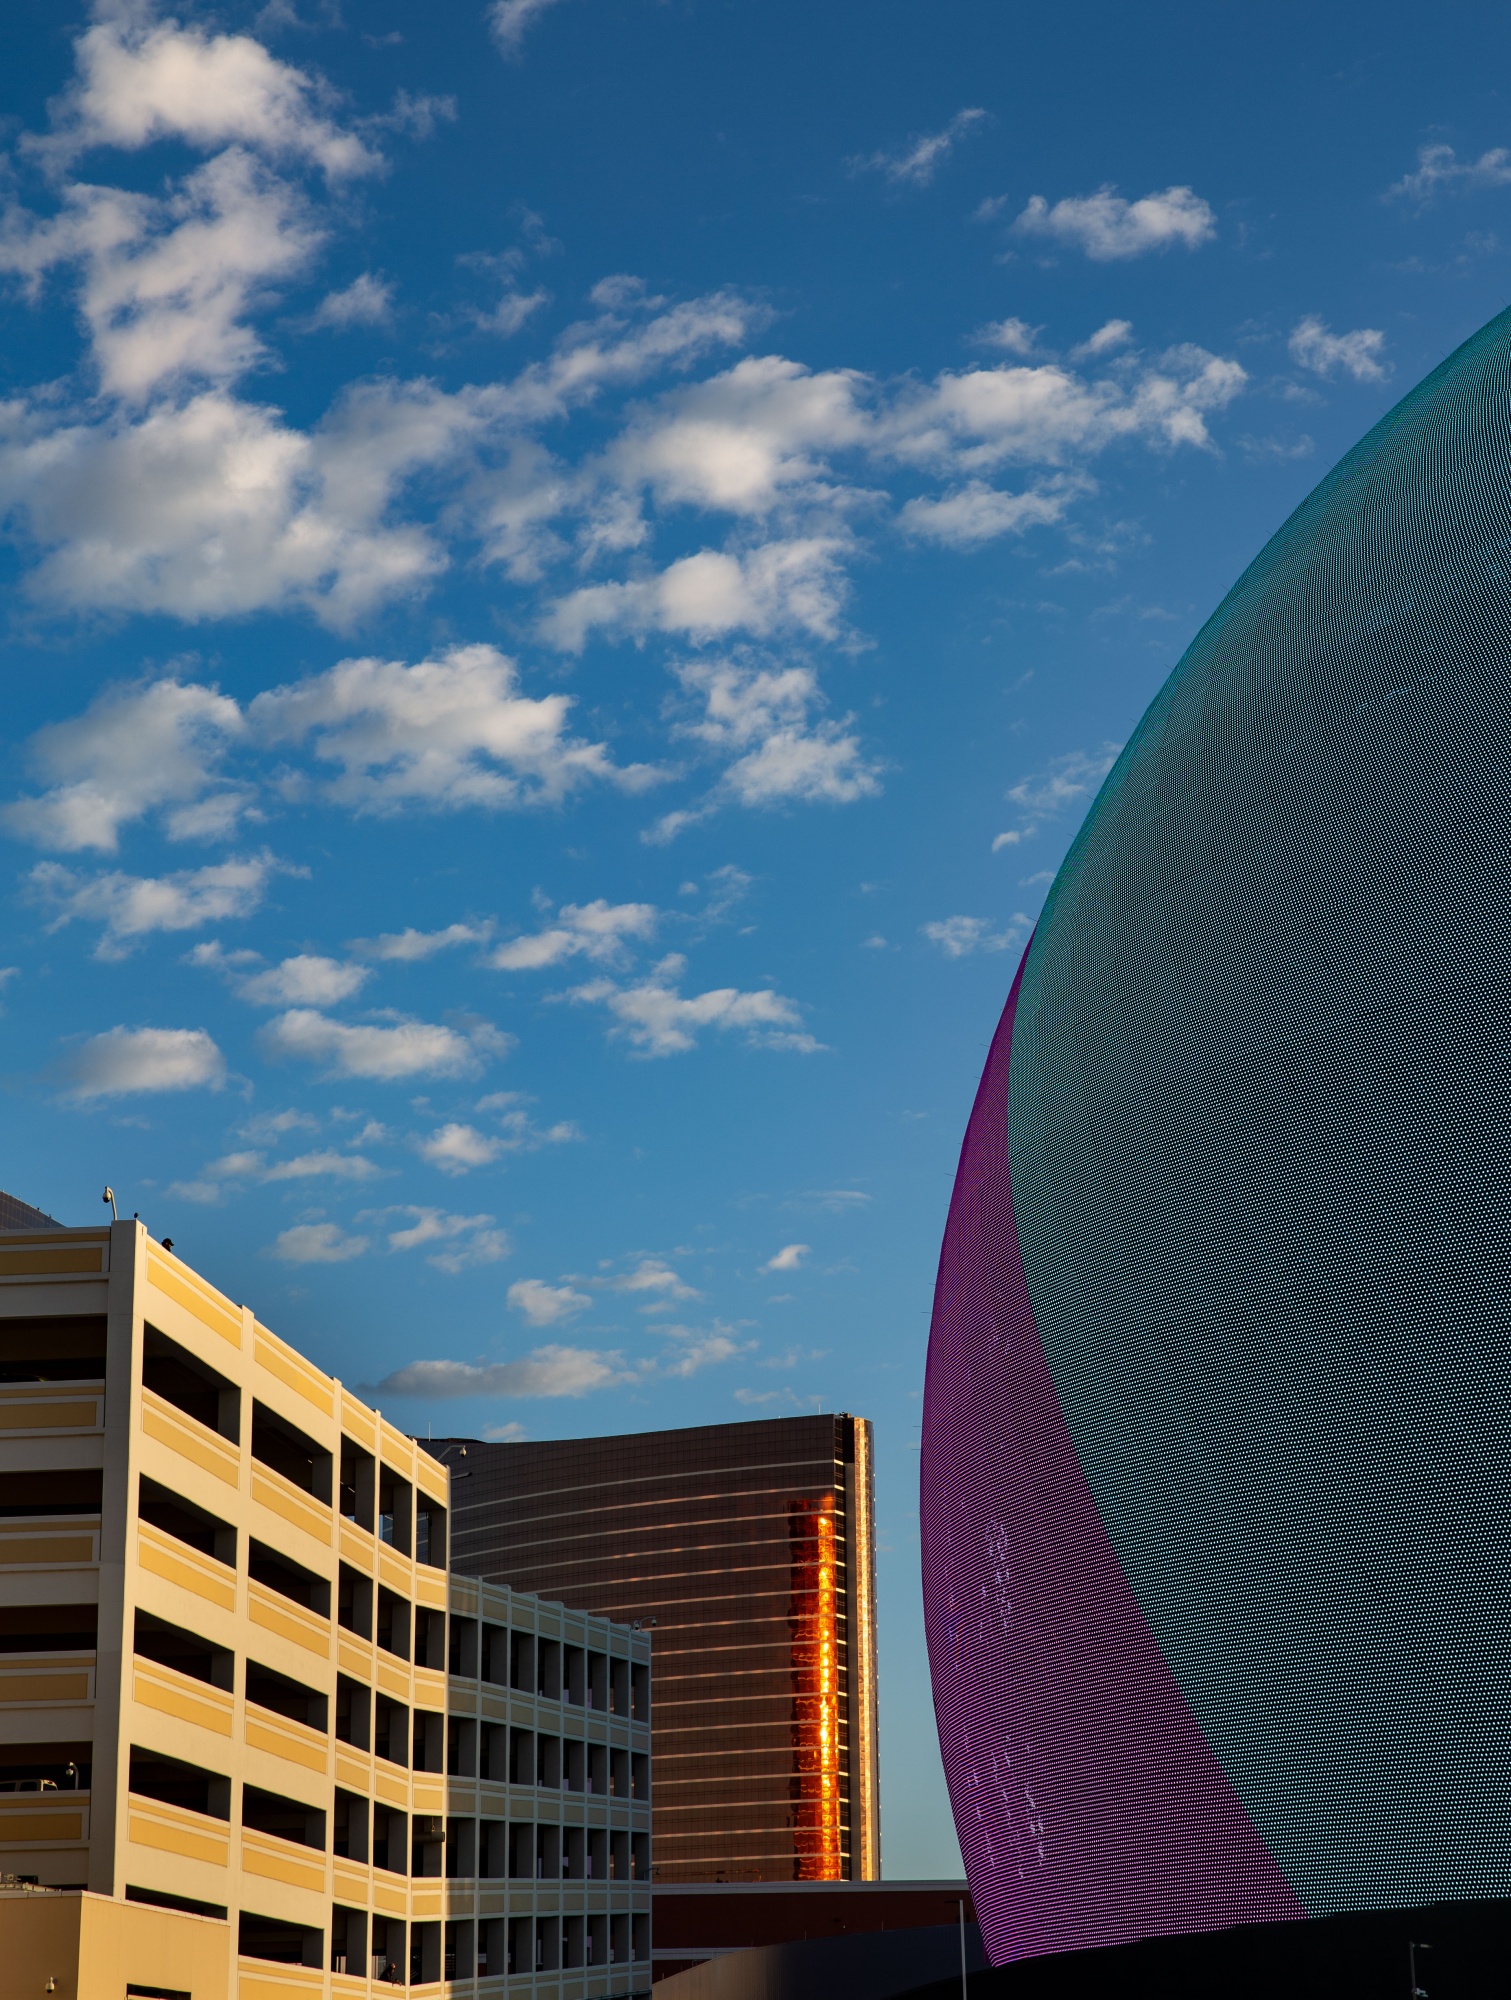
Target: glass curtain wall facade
[(749, 1548)]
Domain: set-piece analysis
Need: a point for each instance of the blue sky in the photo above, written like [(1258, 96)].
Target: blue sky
[(571, 570)]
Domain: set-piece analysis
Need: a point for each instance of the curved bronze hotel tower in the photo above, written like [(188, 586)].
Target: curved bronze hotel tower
[(750, 1548)]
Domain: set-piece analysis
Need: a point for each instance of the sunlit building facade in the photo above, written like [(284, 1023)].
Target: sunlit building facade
[(255, 1738), (748, 1548)]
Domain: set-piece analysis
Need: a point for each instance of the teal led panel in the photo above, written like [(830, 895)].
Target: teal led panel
[(1217, 1446)]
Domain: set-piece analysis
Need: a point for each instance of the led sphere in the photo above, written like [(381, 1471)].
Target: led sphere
[(1216, 1478)]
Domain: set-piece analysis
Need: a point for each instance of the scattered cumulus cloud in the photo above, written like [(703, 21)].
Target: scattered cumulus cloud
[(138, 748), (126, 1061), (366, 301), (444, 734), (317, 1243), (916, 163), (1439, 170), (961, 937), (656, 1019), (1068, 780), (545, 1371), (409, 947), (140, 81), (1108, 228), (454, 1242), (131, 907), (511, 20), (788, 1258), (306, 979), (1359, 353), (596, 930), (542, 1304), (386, 1051)]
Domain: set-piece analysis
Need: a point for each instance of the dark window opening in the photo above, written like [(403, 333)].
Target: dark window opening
[(388, 1952), (280, 1943), (297, 1458), (136, 1992), (178, 1784), (45, 1767), (430, 1638), (429, 1740), (390, 1840), (428, 1844), (391, 1730), (393, 1624), (354, 1601), (48, 1628), (286, 1819), (349, 1826), (190, 1385), (395, 1508), (430, 1532), (283, 1696), (290, 1579), (161, 1900), (53, 1350), (23, 1493), (462, 1648), (188, 1652), (348, 1941), (358, 1484), (173, 1515), (353, 1713)]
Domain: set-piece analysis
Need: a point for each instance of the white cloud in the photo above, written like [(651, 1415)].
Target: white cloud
[(141, 80), (1107, 339), (977, 513), (764, 721), (959, 937), (657, 1020), (511, 19), (777, 587), (1066, 781), (442, 735), (366, 301), (386, 1053), (465, 1240), (410, 946), (698, 1350), (214, 507), (123, 1061), (595, 930), (1107, 228), (138, 747), (917, 162), (317, 1243), (456, 1149), (1013, 336), (1439, 170), (131, 907), (306, 980), (967, 423), (742, 441), (1358, 353), (325, 1165), (546, 1371), (788, 1258), (654, 1275), (543, 1304)]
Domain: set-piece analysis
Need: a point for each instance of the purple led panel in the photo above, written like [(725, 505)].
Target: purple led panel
[(1089, 1805)]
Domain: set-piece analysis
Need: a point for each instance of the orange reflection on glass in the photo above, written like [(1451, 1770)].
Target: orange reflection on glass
[(815, 1674)]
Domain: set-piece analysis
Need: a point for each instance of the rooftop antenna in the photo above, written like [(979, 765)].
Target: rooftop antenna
[(109, 1195)]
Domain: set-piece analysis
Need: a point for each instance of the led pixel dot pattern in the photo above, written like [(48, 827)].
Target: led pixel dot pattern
[(1216, 1478)]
